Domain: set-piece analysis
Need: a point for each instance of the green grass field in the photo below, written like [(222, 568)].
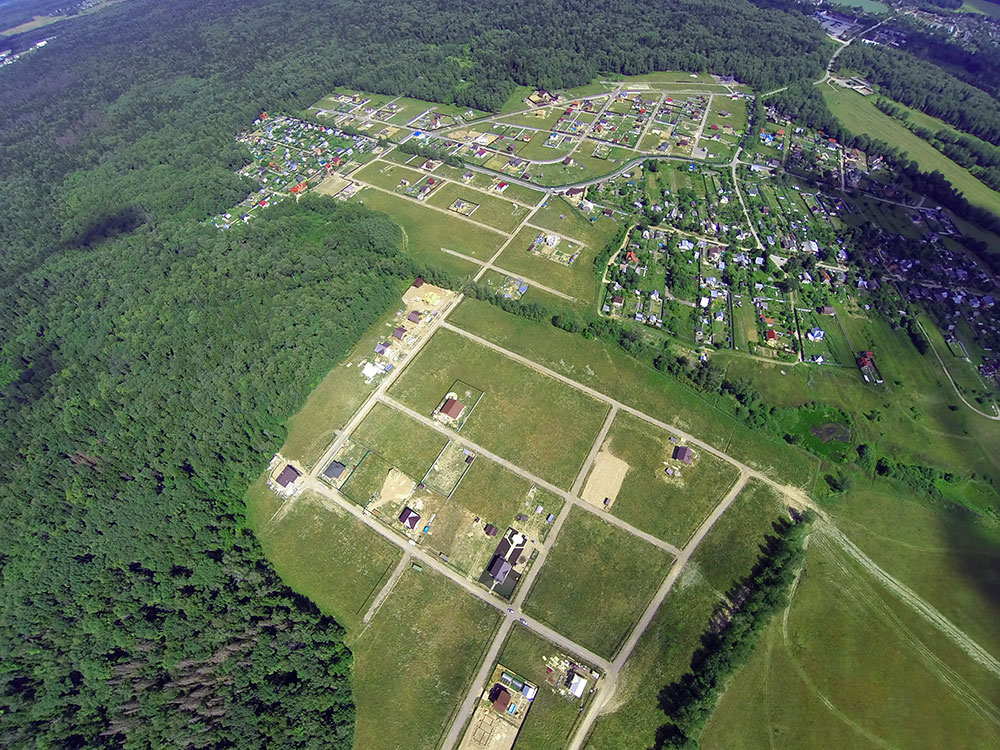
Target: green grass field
[(428, 231), (323, 553), (404, 442), (812, 681), (416, 660), (552, 717), (860, 115), (609, 370), (667, 507), (981, 6), (493, 210), (664, 651), (596, 582), (576, 280), (527, 418), (385, 175)]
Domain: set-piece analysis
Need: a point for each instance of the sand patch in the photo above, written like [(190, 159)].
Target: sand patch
[(605, 478), (332, 185), (396, 489)]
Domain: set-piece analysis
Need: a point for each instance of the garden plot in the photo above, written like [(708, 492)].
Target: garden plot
[(457, 404), (449, 468)]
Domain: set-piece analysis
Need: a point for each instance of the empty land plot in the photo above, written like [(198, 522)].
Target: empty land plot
[(367, 483), (405, 443), (325, 554), (670, 507), (663, 653), (428, 231), (576, 279), (553, 716), (835, 670), (426, 642), (596, 582), (494, 211), (385, 175), (526, 417)]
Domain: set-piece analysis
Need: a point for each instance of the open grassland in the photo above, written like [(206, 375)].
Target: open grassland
[(668, 507), (596, 582), (497, 495), (334, 399), (323, 553), (386, 175), (493, 210), (416, 660), (552, 717), (428, 231), (402, 441), (851, 666), (985, 7), (524, 416), (576, 280), (664, 651), (859, 115), (607, 369)]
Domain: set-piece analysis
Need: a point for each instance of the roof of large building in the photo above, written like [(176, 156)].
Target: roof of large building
[(452, 408), (499, 569), (288, 475), (499, 697)]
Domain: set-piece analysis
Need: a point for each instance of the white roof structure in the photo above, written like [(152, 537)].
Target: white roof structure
[(577, 686)]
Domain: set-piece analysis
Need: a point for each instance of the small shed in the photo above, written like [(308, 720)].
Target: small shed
[(452, 408), (419, 282), (827, 310), (399, 333), (288, 475), (334, 471), (683, 453), (409, 518)]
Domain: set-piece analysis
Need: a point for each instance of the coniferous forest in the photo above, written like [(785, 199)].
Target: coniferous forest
[(148, 362)]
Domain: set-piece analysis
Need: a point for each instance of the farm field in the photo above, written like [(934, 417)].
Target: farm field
[(550, 722), (810, 681), (610, 371), (598, 570), (521, 417), (426, 642), (669, 507), (860, 115), (323, 553), (428, 231), (664, 651)]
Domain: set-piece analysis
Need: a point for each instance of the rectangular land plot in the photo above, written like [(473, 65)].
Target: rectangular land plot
[(400, 440), (554, 714), (526, 417), (596, 582), (416, 660), (670, 506), (327, 555), (494, 211)]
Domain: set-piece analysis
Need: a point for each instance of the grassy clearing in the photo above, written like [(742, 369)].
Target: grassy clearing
[(664, 651), (552, 718), (524, 416), (981, 6), (323, 553), (813, 683), (493, 210), (606, 368), (596, 582), (860, 115), (334, 399), (385, 175), (668, 507), (416, 660), (428, 231), (576, 280), (404, 442)]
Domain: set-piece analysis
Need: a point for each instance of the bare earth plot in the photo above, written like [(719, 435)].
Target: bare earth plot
[(525, 417), (596, 582)]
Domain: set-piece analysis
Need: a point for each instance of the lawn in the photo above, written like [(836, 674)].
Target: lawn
[(596, 582), (668, 507), (606, 368), (852, 667), (664, 651), (860, 115), (415, 662), (405, 443), (323, 553), (552, 717), (428, 231), (524, 416), (494, 210)]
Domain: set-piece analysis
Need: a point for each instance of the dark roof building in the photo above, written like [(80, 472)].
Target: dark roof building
[(499, 569), (683, 453), (334, 471), (288, 475), (414, 316), (826, 310), (419, 282), (382, 347), (499, 697), (409, 518), (490, 530), (398, 333), (452, 408)]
